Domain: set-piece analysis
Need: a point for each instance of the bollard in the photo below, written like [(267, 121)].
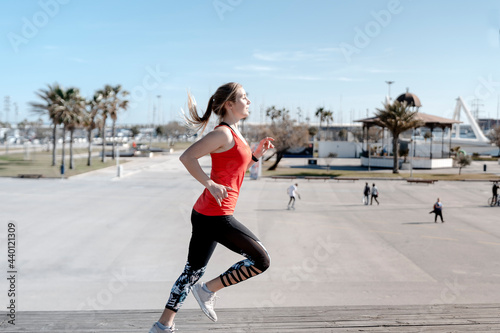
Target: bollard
[(484, 167)]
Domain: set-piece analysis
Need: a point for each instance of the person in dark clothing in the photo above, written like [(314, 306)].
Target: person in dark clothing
[(495, 192), (438, 211), (366, 194)]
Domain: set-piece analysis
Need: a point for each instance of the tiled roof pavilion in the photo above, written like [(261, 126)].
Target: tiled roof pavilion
[(430, 121)]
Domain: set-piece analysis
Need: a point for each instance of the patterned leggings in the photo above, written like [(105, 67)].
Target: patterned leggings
[(207, 232)]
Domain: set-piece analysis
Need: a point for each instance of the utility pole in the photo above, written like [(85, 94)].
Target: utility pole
[(7, 108), (262, 114), (16, 112), (476, 107), (340, 120)]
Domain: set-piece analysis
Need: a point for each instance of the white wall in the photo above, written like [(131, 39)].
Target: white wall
[(348, 149), (343, 149), (423, 149), (420, 163)]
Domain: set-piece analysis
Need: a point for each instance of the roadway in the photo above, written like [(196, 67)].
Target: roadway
[(98, 242)]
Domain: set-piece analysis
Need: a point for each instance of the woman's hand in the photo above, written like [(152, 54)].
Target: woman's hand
[(264, 145), (219, 192)]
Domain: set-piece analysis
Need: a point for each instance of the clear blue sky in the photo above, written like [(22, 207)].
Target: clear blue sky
[(302, 53)]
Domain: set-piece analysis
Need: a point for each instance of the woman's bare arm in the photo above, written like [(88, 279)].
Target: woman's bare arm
[(213, 141), (264, 145)]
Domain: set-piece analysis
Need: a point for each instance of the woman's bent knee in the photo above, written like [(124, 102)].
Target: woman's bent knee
[(264, 264)]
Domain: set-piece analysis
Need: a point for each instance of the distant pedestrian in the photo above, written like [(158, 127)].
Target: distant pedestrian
[(293, 192), (438, 211), (374, 194), (366, 194), (495, 193)]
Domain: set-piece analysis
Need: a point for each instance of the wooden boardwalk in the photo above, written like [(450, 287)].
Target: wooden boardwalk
[(407, 319)]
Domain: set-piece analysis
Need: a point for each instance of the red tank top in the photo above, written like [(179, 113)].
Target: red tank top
[(228, 168)]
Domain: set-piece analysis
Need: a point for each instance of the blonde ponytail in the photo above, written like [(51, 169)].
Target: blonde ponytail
[(216, 104)]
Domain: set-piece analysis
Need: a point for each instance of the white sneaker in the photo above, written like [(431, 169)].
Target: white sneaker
[(157, 329), (206, 300)]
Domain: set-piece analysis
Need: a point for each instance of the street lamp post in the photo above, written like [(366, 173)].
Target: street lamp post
[(159, 109), (389, 91), (412, 149), (119, 168)]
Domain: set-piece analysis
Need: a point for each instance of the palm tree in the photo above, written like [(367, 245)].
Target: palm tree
[(112, 103), (116, 104), (50, 98), (95, 104), (106, 95), (397, 118), (78, 104), (319, 113), (328, 117), (323, 115), (69, 112), (274, 113)]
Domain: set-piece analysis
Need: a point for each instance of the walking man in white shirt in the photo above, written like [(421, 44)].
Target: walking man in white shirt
[(293, 192)]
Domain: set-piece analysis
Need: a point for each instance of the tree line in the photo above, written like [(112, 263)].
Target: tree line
[(66, 108)]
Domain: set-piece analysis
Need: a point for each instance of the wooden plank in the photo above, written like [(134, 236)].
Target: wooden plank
[(345, 178), (29, 175), (441, 318), (283, 177), (317, 178), (423, 181)]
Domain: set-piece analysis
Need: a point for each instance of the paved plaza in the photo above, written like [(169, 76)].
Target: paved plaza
[(98, 242)]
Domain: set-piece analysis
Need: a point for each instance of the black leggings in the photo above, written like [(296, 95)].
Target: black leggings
[(207, 232), (438, 213)]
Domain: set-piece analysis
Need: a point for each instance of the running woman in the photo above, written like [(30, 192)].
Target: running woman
[(212, 217)]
